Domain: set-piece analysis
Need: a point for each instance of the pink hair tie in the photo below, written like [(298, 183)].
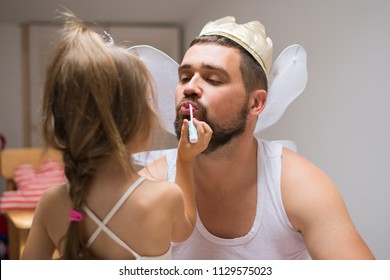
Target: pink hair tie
[(75, 216)]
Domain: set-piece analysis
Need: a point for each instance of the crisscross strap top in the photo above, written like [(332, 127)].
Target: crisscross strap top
[(102, 225)]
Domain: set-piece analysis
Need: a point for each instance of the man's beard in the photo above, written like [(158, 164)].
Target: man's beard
[(222, 135)]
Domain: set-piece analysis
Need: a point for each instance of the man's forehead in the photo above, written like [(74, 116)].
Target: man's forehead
[(210, 56)]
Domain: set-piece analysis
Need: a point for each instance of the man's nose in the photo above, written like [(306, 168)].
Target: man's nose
[(193, 87)]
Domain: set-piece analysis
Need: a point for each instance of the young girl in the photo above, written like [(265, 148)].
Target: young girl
[(97, 111)]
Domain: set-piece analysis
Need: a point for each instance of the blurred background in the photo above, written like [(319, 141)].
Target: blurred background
[(340, 122)]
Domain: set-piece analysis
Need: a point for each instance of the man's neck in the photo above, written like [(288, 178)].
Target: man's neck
[(226, 166), (226, 190)]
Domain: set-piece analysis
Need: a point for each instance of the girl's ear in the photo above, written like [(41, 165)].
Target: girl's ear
[(257, 101)]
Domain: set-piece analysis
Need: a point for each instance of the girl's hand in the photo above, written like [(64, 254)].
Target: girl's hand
[(188, 151)]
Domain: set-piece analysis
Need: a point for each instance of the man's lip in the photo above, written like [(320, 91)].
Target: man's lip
[(185, 108)]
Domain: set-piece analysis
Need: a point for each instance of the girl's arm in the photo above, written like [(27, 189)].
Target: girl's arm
[(39, 246), (184, 164)]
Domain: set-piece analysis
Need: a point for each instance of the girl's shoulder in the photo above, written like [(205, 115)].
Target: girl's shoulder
[(159, 193), (55, 195), (163, 189)]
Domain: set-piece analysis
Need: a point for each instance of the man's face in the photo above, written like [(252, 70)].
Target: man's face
[(210, 79)]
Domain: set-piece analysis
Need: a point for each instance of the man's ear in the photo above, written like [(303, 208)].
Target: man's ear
[(258, 99)]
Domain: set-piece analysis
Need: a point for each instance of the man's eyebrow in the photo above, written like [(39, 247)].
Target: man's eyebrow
[(206, 66), (184, 66)]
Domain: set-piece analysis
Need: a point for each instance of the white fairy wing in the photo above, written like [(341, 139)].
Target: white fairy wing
[(287, 80), (164, 72)]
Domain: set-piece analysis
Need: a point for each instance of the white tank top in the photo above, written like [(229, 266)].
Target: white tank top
[(272, 236)]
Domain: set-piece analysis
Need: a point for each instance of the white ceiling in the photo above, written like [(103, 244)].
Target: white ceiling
[(125, 11)]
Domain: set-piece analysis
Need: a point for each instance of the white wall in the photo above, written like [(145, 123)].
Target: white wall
[(340, 122), (11, 118), (10, 85)]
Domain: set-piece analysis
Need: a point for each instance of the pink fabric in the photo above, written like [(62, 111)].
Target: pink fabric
[(31, 184)]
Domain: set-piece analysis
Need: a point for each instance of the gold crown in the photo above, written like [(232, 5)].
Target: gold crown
[(251, 36)]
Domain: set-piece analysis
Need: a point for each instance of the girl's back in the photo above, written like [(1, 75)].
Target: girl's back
[(144, 222)]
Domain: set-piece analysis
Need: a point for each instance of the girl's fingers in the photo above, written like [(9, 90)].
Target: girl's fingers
[(203, 129), (198, 125), (184, 129)]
